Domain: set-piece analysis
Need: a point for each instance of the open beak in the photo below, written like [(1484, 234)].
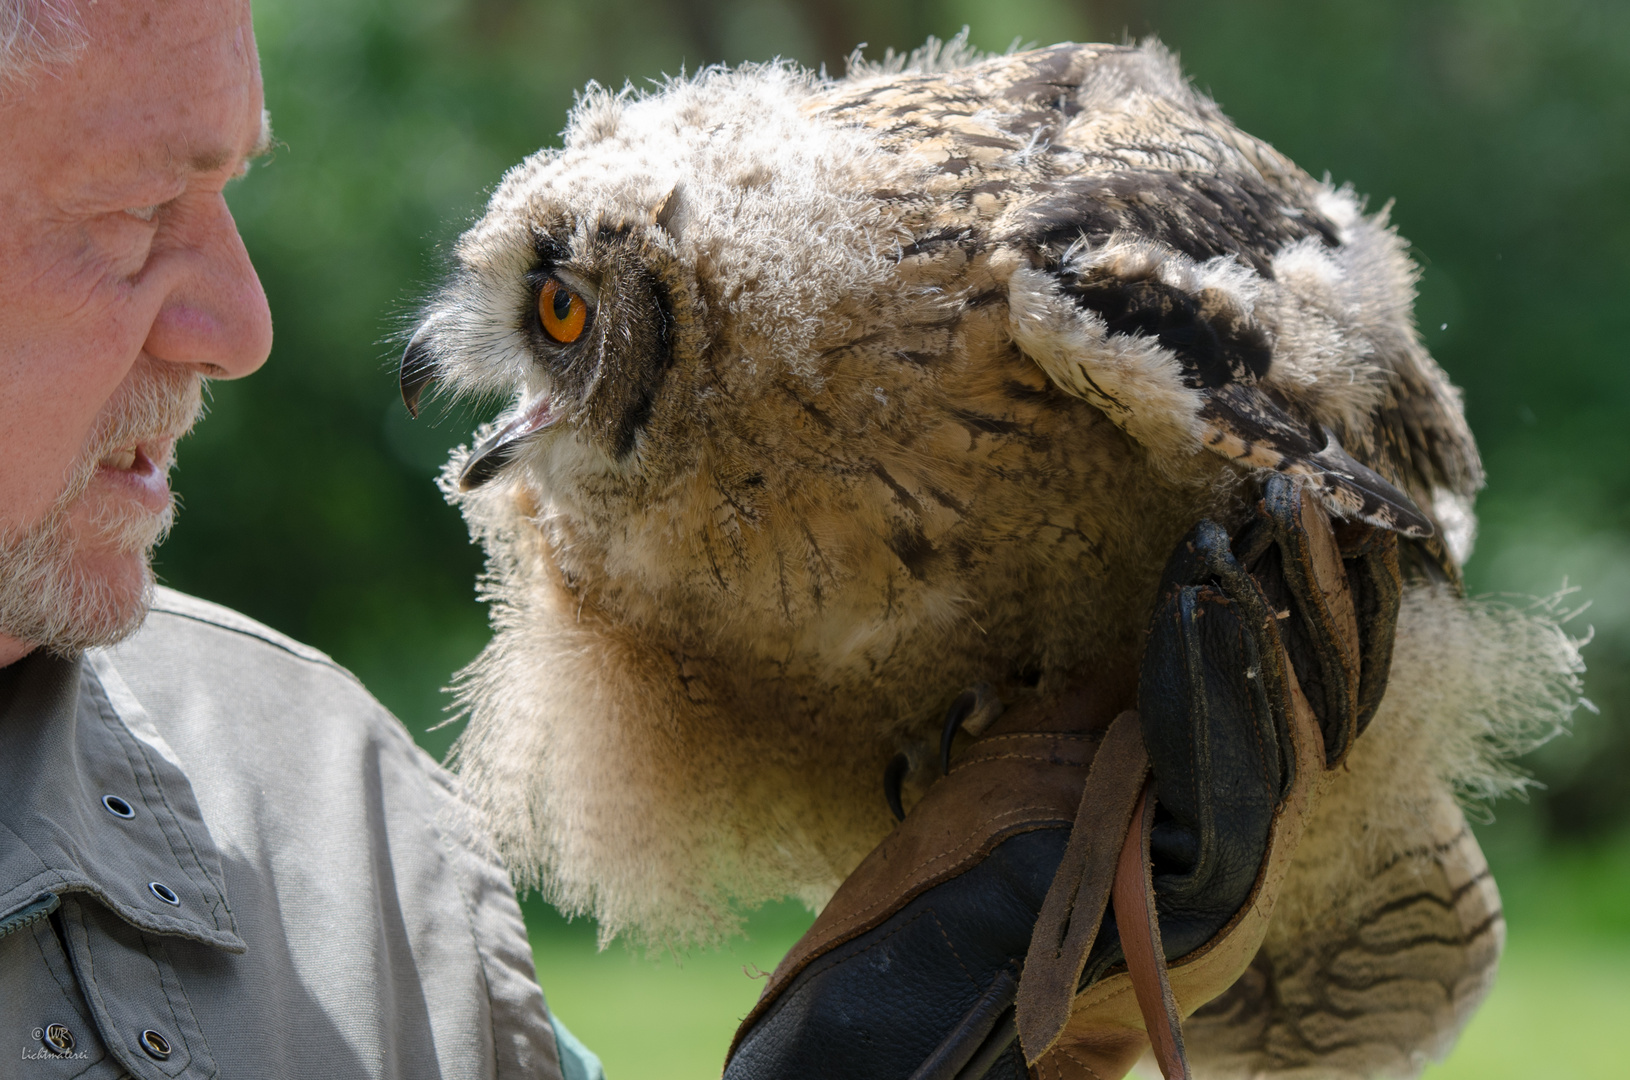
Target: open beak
[(501, 447), (418, 370), (496, 450)]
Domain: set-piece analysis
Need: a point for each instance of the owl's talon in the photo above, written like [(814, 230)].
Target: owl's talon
[(893, 776), (973, 711), (959, 711)]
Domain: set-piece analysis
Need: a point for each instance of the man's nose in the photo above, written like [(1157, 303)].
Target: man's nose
[(214, 318)]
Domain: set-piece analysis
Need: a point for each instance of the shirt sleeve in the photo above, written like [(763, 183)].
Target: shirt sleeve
[(525, 1037), (577, 1062)]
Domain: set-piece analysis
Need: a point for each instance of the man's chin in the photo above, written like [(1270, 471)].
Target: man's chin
[(114, 593), (81, 576), (95, 598)]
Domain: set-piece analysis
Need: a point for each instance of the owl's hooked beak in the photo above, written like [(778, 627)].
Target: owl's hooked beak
[(501, 447), (418, 369)]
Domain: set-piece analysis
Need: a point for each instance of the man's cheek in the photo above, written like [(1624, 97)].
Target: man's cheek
[(99, 277), (51, 410), (97, 333)]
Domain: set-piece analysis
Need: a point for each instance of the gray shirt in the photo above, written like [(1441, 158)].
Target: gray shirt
[(220, 856)]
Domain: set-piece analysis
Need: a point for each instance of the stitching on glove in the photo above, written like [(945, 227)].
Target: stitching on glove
[(1017, 757), (949, 945), (1083, 735), (1023, 813), (1090, 1071)]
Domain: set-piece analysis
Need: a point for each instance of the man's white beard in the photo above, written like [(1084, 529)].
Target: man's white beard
[(47, 597)]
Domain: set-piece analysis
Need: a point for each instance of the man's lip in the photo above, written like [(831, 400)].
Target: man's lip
[(142, 471), (140, 454), (501, 447)]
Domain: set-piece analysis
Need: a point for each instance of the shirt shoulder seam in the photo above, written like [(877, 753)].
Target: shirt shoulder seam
[(170, 602)]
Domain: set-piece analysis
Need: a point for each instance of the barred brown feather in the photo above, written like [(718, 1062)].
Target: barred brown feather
[(1385, 992)]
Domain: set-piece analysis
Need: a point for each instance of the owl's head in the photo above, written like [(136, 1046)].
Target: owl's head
[(682, 256), (745, 385)]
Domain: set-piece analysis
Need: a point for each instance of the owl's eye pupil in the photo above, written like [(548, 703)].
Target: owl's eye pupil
[(562, 312)]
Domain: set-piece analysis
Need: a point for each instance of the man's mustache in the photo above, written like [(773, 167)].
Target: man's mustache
[(156, 407)]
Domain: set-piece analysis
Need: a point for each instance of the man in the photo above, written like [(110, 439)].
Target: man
[(218, 854)]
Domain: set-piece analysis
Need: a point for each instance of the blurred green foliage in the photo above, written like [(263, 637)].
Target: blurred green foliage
[(1500, 127)]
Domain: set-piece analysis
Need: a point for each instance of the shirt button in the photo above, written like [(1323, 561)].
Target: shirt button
[(164, 893), (156, 1045), (118, 807), (58, 1039)]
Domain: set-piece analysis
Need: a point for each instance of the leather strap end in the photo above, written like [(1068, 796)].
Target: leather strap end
[(1139, 925), (1075, 903)]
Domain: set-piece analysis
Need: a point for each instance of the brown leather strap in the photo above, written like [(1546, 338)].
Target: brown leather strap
[(1139, 926), (1075, 903), (1026, 772)]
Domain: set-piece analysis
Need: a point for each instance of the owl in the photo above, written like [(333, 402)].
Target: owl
[(830, 398)]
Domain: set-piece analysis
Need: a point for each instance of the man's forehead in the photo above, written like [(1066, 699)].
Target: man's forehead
[(174, 88)]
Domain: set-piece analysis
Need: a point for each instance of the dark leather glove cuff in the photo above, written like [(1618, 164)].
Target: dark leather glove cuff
[(967, 870), (954, 947)]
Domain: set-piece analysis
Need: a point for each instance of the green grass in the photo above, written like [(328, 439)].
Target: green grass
[(1558, 1011), (652, 1017), (1561, 1003)]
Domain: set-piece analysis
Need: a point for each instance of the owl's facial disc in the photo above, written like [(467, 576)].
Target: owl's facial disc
[(575, 325)]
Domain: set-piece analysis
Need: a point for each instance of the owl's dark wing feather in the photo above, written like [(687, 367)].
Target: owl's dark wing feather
[(1223, 353), (1246, 424)]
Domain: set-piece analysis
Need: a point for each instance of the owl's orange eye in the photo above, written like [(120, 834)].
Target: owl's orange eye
[(562, 312)]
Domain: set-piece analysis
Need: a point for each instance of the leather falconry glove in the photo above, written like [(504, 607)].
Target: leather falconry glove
[(1086, 875)]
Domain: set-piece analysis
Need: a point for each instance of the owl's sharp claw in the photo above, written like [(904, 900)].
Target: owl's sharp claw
[(974, 710), (418, 370), (954, 716), (893, 776)]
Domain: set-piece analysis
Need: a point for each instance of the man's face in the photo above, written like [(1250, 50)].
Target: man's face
[(123, 283)]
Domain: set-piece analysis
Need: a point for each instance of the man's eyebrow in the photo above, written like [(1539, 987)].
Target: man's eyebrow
[(209, 161), (263, 141)]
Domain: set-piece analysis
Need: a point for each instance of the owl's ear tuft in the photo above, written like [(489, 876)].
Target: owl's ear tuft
[(668, 212)]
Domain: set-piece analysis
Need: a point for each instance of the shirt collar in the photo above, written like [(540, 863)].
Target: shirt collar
[(93, 800)]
